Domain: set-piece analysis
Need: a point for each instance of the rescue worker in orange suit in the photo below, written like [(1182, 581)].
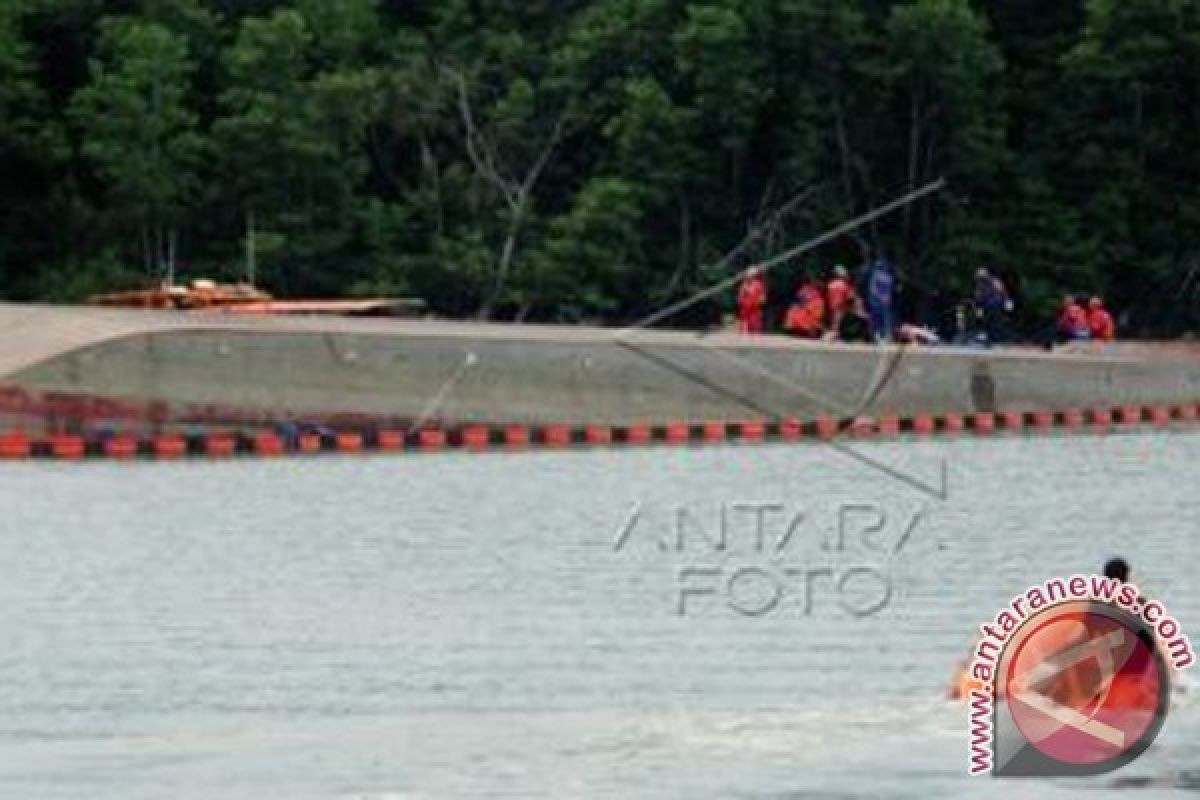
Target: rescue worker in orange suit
[(751, 300), (1073, 325), (842, 299), (806, 318), (1101, 322)]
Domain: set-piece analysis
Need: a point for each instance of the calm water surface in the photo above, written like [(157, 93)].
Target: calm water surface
[(429, 627)]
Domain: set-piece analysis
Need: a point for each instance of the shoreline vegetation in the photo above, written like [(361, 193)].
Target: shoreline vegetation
[(568, 161)]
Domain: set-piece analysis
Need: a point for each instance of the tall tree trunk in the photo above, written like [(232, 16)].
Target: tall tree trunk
[(914, 157), (504, 262), (171, 242), (147, 250)]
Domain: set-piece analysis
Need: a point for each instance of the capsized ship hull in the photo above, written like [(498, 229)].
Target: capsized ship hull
[(67, 367)]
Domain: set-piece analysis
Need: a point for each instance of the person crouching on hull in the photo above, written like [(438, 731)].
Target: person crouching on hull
[(806, 318), (1073, 323)]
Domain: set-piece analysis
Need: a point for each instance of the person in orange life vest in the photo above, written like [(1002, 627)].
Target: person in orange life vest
[(806, 317), (1073, 322), (842, 298), (1100, 321), (752, 298)]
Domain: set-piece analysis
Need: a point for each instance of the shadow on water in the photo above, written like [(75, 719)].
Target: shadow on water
[(1185, 780)]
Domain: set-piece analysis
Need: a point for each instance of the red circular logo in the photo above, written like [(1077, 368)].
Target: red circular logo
[(1087, 686)]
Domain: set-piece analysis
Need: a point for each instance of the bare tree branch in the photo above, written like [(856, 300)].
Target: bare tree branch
[(516, 193), (479, 150), (757, 231), (543, 159)]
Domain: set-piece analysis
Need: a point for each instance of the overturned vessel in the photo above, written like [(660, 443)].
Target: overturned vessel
[(71, 368)]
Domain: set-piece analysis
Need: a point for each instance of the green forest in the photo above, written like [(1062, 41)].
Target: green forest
[(593, 160)]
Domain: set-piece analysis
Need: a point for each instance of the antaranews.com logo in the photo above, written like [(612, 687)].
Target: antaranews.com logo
[(1072, 679)]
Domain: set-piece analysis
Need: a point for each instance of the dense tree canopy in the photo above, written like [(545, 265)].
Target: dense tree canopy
[(572, 160)]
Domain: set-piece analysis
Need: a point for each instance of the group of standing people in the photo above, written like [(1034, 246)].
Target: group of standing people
[(831, 309), (840, 308)]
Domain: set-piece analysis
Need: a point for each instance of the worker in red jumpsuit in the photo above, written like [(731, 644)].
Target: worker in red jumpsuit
[(751, 300), (1073, 325), (1101, 322), (842, 299), (806, 318)]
